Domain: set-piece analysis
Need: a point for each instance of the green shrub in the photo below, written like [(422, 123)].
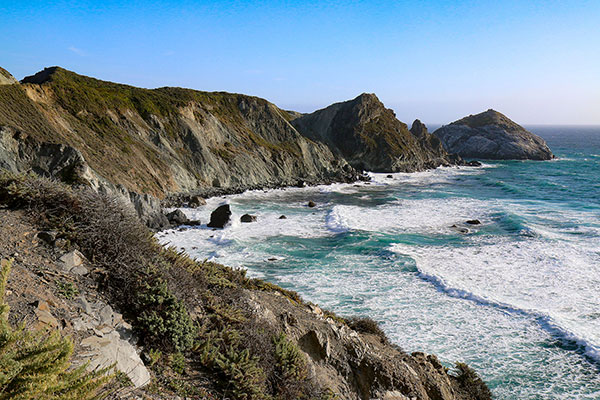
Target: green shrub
[(367, 325), (177, 362), (165, 319), (290, 361), (472, 383), (35, 365)]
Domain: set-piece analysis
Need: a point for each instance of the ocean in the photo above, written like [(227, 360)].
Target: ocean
[(517, 297)]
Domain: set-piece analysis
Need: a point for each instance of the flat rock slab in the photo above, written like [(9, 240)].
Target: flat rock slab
[(112, 349)]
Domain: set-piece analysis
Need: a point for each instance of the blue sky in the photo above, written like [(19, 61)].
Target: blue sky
[(536, 61)]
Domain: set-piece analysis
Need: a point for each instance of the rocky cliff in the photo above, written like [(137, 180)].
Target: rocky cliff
[(492, 135), (369, 137)]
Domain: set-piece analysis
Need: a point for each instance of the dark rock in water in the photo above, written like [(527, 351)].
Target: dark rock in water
[(48, 237), (473, 222), (473, 163), (220, 217), (248, 218), (312, 204), (177, 218), (492, 135), (300, 183), (194, 223), (389, 176), (283, 217), (196, 201), (364, 178)]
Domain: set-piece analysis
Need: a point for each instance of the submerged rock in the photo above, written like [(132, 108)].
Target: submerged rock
[(492, 135), (220, 217), (311, 204), (473, 222)]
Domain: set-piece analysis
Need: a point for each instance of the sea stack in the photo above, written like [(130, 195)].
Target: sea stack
[(492, 135)]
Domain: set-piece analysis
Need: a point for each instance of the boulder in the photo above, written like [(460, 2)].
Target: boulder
[(283, 217), (473, 163), (220, 217), (311, 204), (248, 218), (157, 221), (473, 222), (177, 218), (196, 201), (73, 262), (492, 135)]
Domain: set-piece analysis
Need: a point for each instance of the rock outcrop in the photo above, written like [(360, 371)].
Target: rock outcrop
[(369, 137), (492, 135), (6, 78)]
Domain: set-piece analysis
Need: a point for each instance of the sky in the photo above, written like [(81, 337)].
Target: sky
[(538, 62)]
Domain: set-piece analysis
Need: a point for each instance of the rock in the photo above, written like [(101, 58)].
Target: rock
[(84, 305), (460, 229), (389, 176), (44, 316), (73, 262), (196, 201), (194, 223), (282, 217), (177, 217), (300, 183), (370, 137), (248, 218), (112, 349), (473, 163), (492, 135), (6, 78), (106, 315), (157, 221), (473, 222), (220, 217), (47, 236), (311, 204)]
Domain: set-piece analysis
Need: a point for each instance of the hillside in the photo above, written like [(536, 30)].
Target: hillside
[(84, 266), (164, 140), (370, 137)]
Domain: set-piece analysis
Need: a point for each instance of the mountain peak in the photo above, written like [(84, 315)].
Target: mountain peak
[(43, 76), (489, 117)]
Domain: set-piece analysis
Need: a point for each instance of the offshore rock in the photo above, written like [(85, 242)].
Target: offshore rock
[(492, 135), (220, 217)]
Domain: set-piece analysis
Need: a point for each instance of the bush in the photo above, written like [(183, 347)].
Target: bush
[(367, 325), (472, 383), (165, 319), (34, 365)]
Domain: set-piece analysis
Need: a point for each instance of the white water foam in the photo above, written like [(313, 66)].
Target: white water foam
[(554, 282)]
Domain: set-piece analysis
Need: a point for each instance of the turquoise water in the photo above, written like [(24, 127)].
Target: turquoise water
[(517, 298)]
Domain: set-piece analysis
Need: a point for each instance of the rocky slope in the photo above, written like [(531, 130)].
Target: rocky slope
[(369, 137), (157, 141), (187, 328), (492, 135)]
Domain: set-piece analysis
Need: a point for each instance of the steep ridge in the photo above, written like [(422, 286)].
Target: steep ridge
[(492, 135), (169, 139), (369, 137)]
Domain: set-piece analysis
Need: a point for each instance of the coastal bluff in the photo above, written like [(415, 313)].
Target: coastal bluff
[(492, 135)]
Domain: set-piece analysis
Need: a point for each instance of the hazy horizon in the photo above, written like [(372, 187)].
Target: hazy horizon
[(437, 62)]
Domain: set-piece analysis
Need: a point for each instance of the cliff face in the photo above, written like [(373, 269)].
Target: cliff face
[(492, 135), (165, 140), (369, 137)]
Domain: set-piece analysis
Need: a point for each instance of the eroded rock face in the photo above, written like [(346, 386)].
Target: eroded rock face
[(369, 137), (353, 365), (492, 135)]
